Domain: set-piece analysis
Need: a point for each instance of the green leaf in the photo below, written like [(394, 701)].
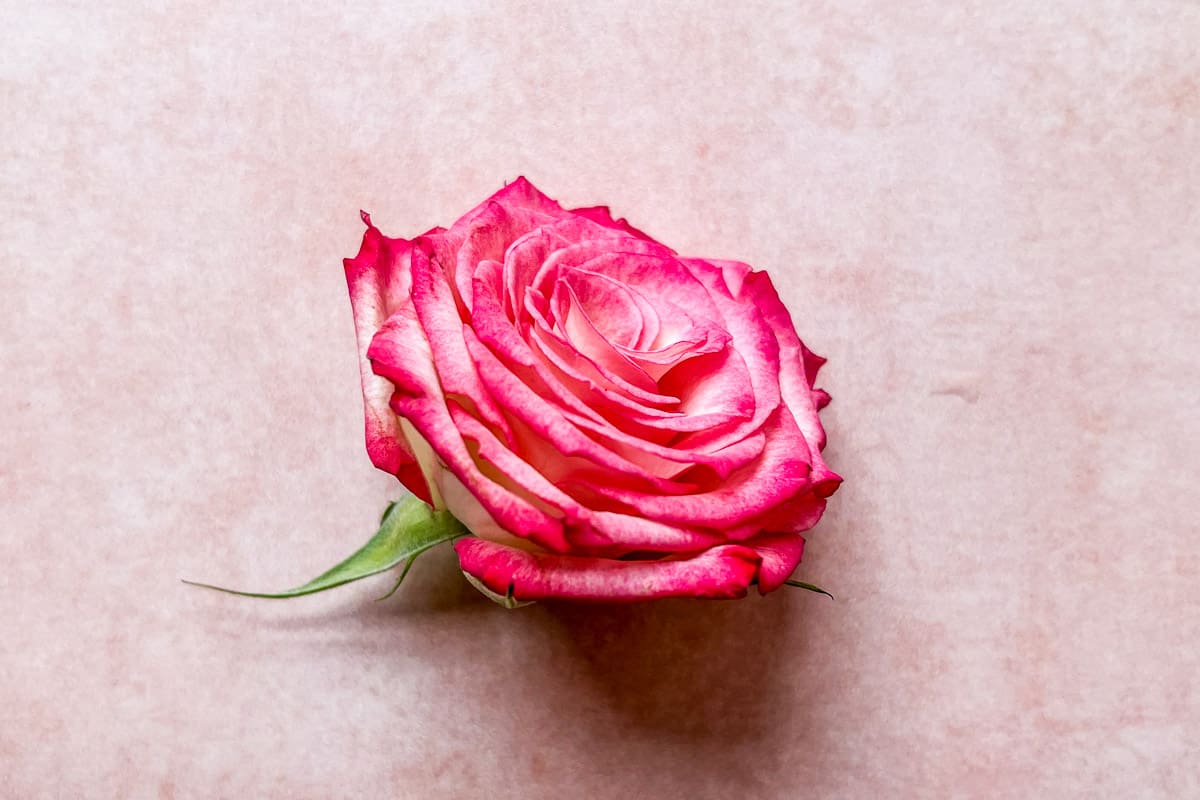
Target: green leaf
[(409, 527), (809, 586), (403, 574)]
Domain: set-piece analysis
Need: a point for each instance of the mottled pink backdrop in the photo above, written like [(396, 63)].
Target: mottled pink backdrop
[(987, 216)]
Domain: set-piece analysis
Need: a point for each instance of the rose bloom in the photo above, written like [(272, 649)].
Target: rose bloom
[(611, 421)]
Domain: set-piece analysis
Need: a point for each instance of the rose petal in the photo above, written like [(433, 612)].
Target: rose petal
[(781, 472), (485, 233), (555, 437), (531, 262), (780, 554), (378, 280), (754, 339), (518, 195), (793, 515), (797, 369), (434, 301), (712, 386), (724, 571), (603, 216), (648, 271), (592, 366), (401, 353), (609, 306)]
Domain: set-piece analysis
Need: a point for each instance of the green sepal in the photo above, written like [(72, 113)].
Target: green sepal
[(409, 527), (505, 600), (403, 574), (809, 586)]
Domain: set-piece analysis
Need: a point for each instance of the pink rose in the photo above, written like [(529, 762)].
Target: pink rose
[(611, 421)]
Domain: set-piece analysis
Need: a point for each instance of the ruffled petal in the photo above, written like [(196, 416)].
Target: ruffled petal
[(401, 353)]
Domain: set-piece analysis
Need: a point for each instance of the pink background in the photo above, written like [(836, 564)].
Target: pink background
[(987, 216)]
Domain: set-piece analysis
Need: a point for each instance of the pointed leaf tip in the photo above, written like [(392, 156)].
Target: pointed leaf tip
[(403, 574), (810, 587)]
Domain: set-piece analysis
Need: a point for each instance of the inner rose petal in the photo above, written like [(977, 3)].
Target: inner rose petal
[(680, 337), (639, 433), (547, 341), (607, 304), (579, 328), (654, 275)]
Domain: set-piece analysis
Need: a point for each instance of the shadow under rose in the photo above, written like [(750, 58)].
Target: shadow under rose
[(692, 669)]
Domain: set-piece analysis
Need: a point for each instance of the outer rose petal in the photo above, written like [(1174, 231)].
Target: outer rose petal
[(379, 281), (780, 554), (724, 571), (603, 215), (798, 369)]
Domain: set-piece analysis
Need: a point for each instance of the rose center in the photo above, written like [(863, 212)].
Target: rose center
[(587, 301)]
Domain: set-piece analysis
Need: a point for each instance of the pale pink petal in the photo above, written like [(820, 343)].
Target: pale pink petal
[(712, 386), (653, 274), (598, 368), (610, 306), (576, 329), (754, 339), (531, 262), (590, 531)]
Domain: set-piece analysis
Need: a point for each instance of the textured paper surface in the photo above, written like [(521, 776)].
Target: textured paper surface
[(986, 215)]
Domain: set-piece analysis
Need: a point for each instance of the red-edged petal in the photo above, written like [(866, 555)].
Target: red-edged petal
[(379, 282), (520, 194), (797, 368), (779, 474), (603, 216), (780, 553), (654, 272), (723, 571), (557, 438), (434, 301), (401, 353)]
